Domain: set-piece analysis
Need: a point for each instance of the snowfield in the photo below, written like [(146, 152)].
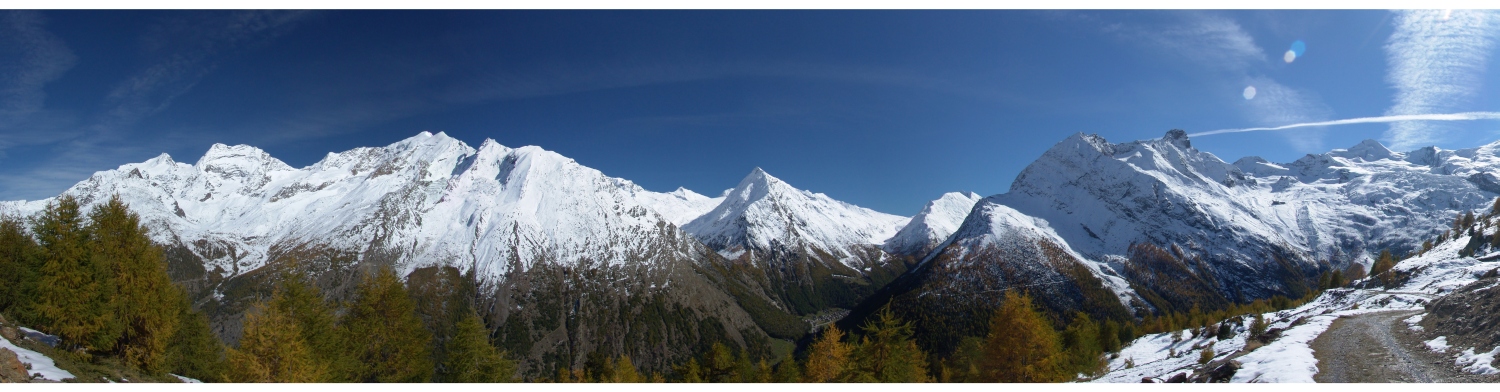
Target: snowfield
[(40, 364), (1290, 357)]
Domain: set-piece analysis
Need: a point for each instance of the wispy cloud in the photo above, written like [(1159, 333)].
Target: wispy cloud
[(185, 49), (1209, 40), (1437, 61), (187, 60), (1396, 119), (30, 58), (1221, 47)]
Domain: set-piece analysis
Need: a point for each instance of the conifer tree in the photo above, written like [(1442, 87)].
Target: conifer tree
[(1383, 265), (1081, 342), (721, 365), (691, 372), (386, 338), (763, 372), (787, 371), (1021, 345), (1109, 336), (18, 265), (887, 352), (74, 293), (304, 304), (272, 350), (624, 371), (145, 301), (194, 351), (828, 357), (473, 359)]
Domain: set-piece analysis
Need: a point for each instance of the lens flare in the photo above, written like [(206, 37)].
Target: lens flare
[(1249, 93), (1298, 47)]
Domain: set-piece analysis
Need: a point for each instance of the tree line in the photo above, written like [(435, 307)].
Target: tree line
[(97, 281)]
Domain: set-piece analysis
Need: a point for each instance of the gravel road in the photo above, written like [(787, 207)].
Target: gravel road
[(1378, 347)]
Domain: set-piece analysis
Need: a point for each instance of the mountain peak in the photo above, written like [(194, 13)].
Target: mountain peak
[(1369, 150), (239, 155), (764, 212), (937, 220), (1179, 138)]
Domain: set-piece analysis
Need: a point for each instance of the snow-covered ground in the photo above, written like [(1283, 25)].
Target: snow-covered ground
[(1290, 357), (40, 364)]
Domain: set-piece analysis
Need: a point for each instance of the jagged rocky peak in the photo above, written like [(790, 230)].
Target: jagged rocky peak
[(1178, 138)]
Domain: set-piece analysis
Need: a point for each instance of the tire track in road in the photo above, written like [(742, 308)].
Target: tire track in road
[(1362, 348)]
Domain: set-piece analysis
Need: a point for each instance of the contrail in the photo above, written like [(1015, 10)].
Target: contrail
[(1466, 116)]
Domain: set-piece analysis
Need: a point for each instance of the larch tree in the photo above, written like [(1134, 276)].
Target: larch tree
[(887, 352), (385, 336), (18, 265), (74, 292), (145, 301), (473, 359), (194, 351), (1021, 345), (316, 324), (272, 350), (828, 357)]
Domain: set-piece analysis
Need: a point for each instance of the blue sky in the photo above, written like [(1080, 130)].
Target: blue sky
[(883, 109)]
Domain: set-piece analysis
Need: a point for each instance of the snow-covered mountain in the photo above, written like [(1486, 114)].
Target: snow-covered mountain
[(430, 198), (763, 213), (1247, 218), (538, 229), (930, 227)]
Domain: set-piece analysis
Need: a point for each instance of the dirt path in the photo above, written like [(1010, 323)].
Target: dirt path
[(1377, 347)]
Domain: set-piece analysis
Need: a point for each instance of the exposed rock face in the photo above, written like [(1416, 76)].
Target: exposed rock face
[(11, 368)]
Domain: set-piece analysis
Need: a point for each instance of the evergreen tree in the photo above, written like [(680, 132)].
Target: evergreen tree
[(272, 350), (1021, 345), (763, 372), (385, 336), (1109, 336), (624, 371), (18, 265), (787, 371), (691, 372), (965, 363), (1383, 265), (473, 359), (74, 292), (1081, 342), (720, 364), (304, 304), (145, 301), (828, 357), (194, 351), (887, 352)]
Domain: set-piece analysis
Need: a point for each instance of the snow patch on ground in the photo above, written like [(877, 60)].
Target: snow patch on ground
[(1478, 363), (40, 364), (1439, 344), (185, 379), (1411, 322), (1153, 355)]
